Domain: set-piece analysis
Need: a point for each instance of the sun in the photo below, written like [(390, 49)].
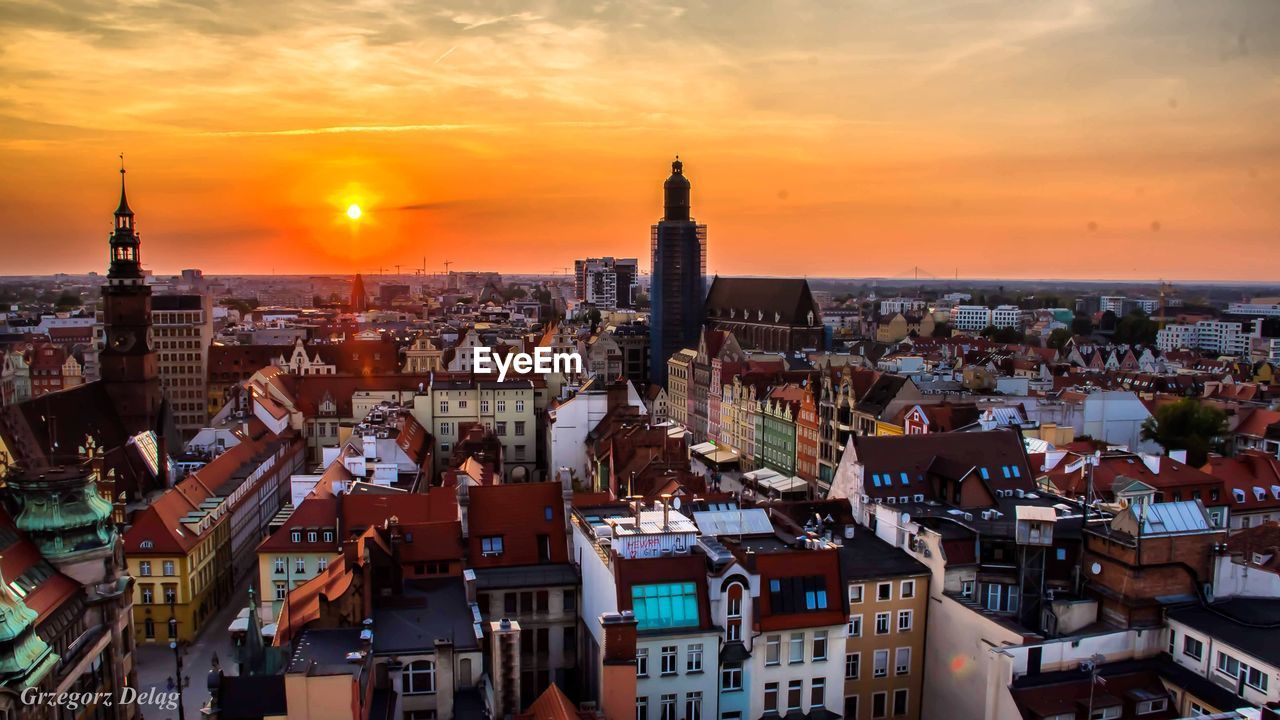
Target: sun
[(354, 212)]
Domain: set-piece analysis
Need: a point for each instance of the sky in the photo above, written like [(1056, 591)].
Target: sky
[(1066, 139)]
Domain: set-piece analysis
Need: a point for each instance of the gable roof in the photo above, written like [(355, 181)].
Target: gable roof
[(789, 298), (952, 455)]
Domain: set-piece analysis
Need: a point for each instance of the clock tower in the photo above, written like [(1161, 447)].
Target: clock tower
[(127, 360)]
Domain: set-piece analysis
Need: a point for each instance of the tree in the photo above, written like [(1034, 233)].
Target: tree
[(988, 331), (1082, 325), (1135, 328), (1187, 425), (1058, 338), (68, 301)]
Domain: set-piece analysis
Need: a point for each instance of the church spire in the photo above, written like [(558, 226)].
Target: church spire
[(123, 209)]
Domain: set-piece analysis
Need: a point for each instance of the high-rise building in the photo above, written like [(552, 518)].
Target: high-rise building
[(183, 327), (679, 253), (607, 283)]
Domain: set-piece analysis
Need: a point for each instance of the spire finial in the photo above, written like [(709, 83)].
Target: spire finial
[(121, 163), (123, 208)]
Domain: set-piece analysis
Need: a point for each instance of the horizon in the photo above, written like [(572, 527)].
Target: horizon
[(1002, 140)]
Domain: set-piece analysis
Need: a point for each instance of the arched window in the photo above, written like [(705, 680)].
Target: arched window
[(420, 677), (733, 612)]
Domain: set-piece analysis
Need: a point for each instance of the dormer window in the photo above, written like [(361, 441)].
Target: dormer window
[(295, 536)]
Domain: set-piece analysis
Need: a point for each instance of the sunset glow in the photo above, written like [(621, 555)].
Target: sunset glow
[(353, 211), (1137, 131)]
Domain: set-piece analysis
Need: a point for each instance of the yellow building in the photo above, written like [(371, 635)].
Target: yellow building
[(179, 551), (301, 548)]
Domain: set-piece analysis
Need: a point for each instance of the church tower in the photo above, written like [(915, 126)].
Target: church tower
[(127, 360)]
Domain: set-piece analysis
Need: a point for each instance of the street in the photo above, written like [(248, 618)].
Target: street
[(155, 661)]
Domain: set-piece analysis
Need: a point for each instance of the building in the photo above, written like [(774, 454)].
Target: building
[(606, 283), (1213, 336), (970, 318), (679, 268), (183, 329), (1232, 643), (65, 599), (769, 314), (1254, 309), (359, 295), (1006, 316)]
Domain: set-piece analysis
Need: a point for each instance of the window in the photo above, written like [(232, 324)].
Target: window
[(444, 406), (444, 428), (904, 621), (733, 611), (879, 702), (1192, 647), (819, 645), (795, 694), (500, 428), (519, 428), (966, 588), (798, 594), (168, 568), (1107, 713), (282, 591), (851, 707), (491, 545), (149, 627), (300, 565), (295, 536), (902, 661), (772, 649), (144, 568), (322, 564), (899, 702), (855, 626), (855, 594), (884, 591), (419, 677), (693, 705), (665, 605), (328, 536), (642, 662), (880, 666), (642, 708), (882, 623), (519, 408), (908, 589), (669, 659), (311, 536), (502, 406), (148, 595), (817, 693), (795, 653), (731, 677), (771, 697), (484, 407), (170, 594), (279, 565), (852, 665), (1152, 706), (668, 707), (693, 658)]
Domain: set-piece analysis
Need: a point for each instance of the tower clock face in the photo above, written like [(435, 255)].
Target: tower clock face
[(122, 340)]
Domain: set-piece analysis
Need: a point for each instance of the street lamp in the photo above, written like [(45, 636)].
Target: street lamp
[(177, 654)]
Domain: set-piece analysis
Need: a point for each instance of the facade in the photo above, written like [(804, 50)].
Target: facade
[(183, 329), (606, 283), (1214, 336), (679, 268), (1006, 316), (970, 318), (679, 380), (769, 314), (1223, 643)]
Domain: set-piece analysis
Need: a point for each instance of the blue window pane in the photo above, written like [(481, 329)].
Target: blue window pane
[(905, 481), (822, 599), (665, 605), (775, 585), (810, 600), (875, 480), (1005, 468), (985, 475), (1016, 472), (1062, 553)]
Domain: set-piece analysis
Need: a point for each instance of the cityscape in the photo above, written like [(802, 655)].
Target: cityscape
[(817, 450)]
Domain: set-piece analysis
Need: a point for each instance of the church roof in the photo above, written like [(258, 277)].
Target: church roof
[(788, 298)]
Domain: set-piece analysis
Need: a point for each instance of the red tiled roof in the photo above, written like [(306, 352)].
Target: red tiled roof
[(314, 513), (520, 513), (1250, 471)]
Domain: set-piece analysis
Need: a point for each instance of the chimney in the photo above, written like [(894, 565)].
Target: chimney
[(504, 637), (618, 660), (464, 501), (666, 510), (1152, 462)]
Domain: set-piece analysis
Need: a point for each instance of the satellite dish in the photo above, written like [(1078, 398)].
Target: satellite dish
[(1095, 568), (675, 503), (906, 518)]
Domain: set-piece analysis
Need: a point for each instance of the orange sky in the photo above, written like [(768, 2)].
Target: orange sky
[(1109, 139)]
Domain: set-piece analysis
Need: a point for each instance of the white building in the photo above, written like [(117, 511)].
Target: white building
[(1114, 303), (1254, 309), (1215, 336), (1243, 658), (970, 317), (892, 306), (570, 422), (1006, 316)]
